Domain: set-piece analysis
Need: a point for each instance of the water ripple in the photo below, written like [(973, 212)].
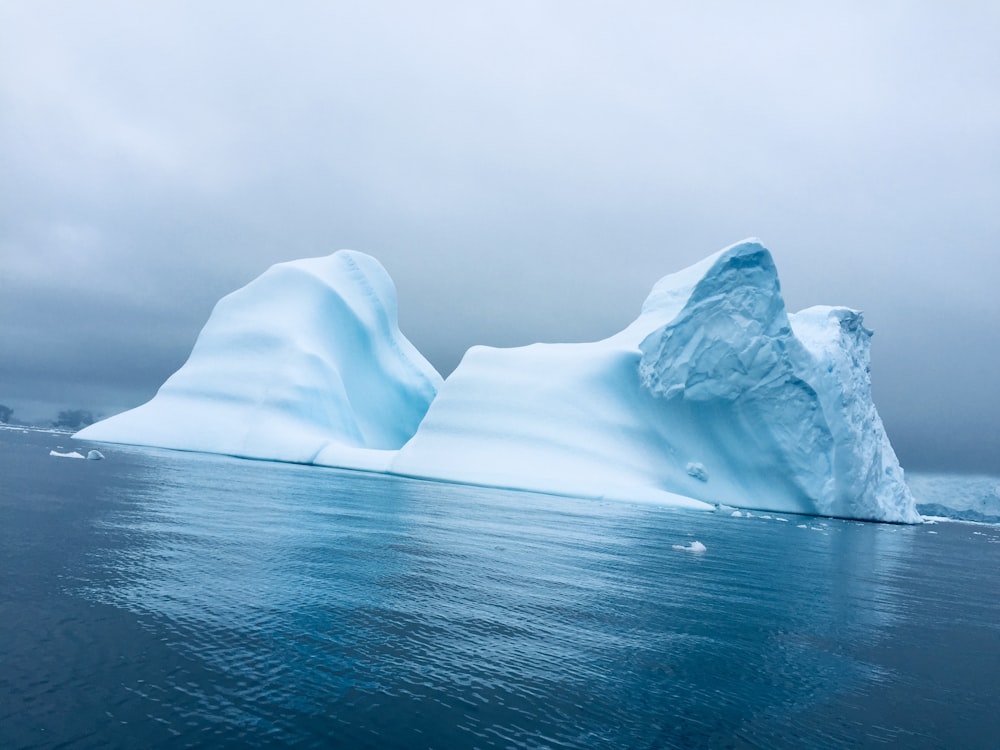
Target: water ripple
[(311, 608)]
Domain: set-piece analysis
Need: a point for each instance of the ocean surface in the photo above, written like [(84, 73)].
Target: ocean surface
[(159, 599)]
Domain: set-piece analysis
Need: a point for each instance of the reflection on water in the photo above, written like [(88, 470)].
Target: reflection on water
[(323, 608), (377, 601)]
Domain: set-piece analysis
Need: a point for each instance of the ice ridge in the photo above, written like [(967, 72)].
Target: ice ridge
[(306, 360)]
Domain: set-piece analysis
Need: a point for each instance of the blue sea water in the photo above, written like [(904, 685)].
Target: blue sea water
[(163, 599)]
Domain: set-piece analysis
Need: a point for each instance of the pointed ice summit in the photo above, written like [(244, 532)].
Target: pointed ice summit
[(714, 394)]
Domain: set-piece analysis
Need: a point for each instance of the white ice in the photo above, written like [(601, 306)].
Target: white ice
[(967, 497), (304, 364), (694, 546), (697, 470), (69, 454), (713, 395)]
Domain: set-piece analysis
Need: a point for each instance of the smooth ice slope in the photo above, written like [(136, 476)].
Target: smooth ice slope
[(711, 375), (305, 363)]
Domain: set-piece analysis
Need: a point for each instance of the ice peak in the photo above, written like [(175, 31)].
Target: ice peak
[(823, 327), (671, 293), (357, 278), (797, 389), (306, 358)]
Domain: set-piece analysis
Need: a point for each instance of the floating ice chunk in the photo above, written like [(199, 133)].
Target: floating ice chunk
[(694, 546), (95, 455), (736, 514), (70, 454)]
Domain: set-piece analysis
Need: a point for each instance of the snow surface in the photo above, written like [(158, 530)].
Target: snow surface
[(714, 394), (306, 363)]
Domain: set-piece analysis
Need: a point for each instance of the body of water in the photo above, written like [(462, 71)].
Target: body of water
[(162, 599)]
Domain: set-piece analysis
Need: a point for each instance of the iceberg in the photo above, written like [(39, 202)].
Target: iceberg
[(714, 395), (69, 454), (306, 362), (961, 497)]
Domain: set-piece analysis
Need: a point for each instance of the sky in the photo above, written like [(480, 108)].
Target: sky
[(525, 171)]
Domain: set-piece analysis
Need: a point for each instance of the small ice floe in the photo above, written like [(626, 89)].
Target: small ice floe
[(697, 470), (694, 546), (766, 518), (736, 514), (94, 455), (932, 532), (802, 526), (71, 454), (779, 518)]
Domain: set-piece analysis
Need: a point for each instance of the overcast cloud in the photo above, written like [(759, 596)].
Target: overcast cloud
[(525, 172)]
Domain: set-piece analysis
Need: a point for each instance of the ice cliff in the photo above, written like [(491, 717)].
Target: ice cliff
[(714, 394)]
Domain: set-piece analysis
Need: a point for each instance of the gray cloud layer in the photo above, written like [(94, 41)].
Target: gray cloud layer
[(525, 171)]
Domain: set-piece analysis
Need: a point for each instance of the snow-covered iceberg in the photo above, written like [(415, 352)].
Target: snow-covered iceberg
[(306, 361), (714, 392), (713, 395)]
